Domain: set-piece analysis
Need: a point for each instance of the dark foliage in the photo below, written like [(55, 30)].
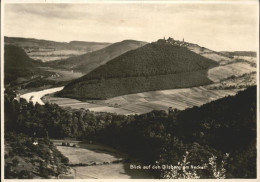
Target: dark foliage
[(227, 125), (18, 64), (24, 160)]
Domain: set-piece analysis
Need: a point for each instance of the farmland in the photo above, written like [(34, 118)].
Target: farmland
[(233, 69), (62, 74), (147, 101), (97, 161), (51, 55), (207, 53), (238, 76)]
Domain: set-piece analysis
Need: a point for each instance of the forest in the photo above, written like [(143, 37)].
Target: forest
[(220, 136)]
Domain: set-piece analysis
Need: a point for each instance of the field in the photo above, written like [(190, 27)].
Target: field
[(62, 75), (78, 155), (230, 70), (148, 101), (100, 158), (51, 55), (221, 59), (247, 58), (112, 171)]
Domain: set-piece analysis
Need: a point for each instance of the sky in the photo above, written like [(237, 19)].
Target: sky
[(218, 26)]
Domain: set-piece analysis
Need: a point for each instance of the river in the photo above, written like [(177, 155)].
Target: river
[(36, 96)]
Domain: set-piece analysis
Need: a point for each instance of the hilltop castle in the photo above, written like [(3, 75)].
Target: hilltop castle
[(171, 41)]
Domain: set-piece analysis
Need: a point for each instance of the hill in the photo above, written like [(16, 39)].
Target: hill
[(46, 50), (155, 66), (17, 64), (89, 61)]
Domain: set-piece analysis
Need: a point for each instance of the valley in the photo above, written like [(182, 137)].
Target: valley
[(46, 50), (231, 76), (132, 85)]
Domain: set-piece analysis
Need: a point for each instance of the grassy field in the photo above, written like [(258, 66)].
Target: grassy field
[(78, 155), (230, 70), (46, 56), (221, 59), (62, 75), (147, 101), (112, 171), (85, 153)]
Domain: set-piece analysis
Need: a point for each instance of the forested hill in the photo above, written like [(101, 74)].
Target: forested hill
[(155, 66), (16, 57), (89, 61), (17, 63)]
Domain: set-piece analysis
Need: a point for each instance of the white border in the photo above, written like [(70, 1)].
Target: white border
[(126, 2)]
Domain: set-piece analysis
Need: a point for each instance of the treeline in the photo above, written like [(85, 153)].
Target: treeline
[(219, 136)]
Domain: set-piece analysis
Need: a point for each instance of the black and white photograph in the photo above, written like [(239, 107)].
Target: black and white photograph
[(129, 89)]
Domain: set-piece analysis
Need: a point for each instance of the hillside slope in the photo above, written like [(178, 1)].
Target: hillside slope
[(88, 62), (17, 63), (154, 66), (46, 50)]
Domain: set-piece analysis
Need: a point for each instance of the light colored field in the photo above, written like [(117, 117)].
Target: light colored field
[(147, 101), (238, 82), (219, 73), (54, 54), (247, 58), (111, 171), (78, 155), (93, 153), (49, 58), (207, 53), (62, 75)]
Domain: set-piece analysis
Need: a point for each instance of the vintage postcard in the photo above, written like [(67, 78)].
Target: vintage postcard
[(129, 90)]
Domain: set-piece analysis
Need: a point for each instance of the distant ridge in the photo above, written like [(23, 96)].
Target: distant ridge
[(46, 50), (89, 61), (31, 42), (240, 53)]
